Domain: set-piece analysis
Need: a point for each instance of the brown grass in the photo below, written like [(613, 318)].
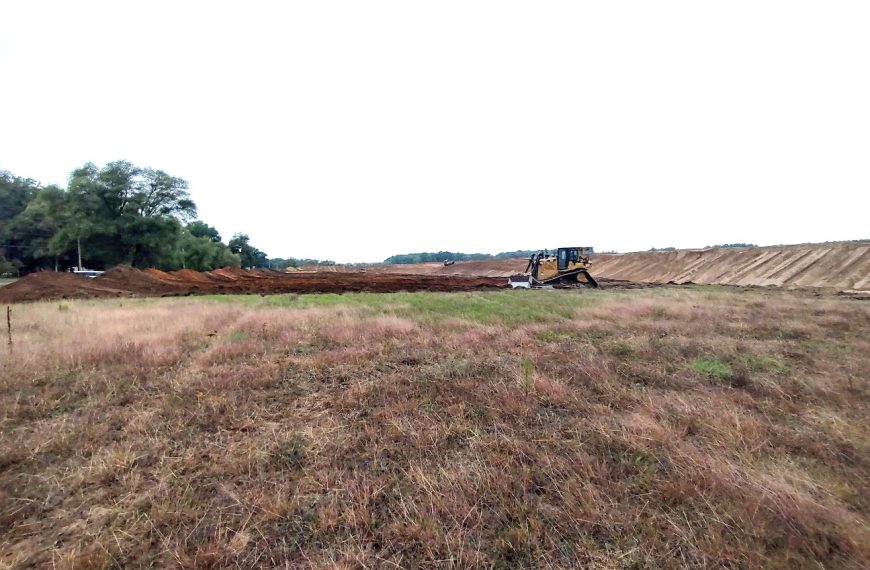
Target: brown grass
[(697, 427)]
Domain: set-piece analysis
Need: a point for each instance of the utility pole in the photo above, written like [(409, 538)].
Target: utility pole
[(79, 244)]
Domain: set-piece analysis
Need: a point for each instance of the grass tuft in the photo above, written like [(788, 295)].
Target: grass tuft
[(713, 368)]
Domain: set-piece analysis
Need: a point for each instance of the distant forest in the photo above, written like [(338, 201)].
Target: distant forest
[(429, 257), (117, 214), (441, 256)]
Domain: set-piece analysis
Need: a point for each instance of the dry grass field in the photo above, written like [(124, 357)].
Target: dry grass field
[(698, 427)]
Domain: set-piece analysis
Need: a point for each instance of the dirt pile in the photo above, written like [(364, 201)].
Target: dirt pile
[(127, 281), (187, 275), (124, 278), (327, 269), (837, 266), (51, 285)]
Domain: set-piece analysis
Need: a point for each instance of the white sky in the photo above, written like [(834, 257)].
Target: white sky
[(356, 130)]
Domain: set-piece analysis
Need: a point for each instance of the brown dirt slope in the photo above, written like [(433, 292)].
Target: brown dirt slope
[(840, 266), (323, 269), (51, 285)]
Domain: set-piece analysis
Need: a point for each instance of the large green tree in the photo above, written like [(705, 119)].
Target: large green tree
[(124, 214), (200, 248), (250, 255), (118, 213), (199, 228), (15, 194), (36, 226)]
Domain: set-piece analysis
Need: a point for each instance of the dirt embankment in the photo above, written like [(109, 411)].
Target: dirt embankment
[(835, 266), (126, 281)]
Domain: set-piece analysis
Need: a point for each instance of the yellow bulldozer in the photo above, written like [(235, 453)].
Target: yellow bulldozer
[(567, 267)]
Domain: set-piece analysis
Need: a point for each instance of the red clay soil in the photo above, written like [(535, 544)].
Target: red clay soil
[(51, 285), (125, 278), (126, 281), (187, 275), (162, 275)]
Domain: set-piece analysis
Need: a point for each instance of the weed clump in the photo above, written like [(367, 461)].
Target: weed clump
[(290, 454), (713, 368)]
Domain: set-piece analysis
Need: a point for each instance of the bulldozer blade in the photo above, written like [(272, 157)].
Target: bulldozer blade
[(520, 281)]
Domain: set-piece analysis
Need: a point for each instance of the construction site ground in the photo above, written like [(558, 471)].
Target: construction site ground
[(842, 268), (832, 266)]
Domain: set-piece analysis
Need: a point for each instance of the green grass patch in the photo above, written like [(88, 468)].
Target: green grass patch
[(619, 348), (765, 364), (498, 307), (713, 368), (528, 371), (488, 307)]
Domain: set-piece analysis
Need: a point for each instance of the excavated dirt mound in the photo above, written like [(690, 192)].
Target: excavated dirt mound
[(835, 266), (162, 275), (125, 278), (51, 285), (126, 281), (184, 275), (327, 269)]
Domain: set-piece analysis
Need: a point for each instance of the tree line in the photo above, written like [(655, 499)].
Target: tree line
[(117, 214), (441, 256)]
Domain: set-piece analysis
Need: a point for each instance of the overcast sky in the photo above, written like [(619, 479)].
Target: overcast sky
[(356, 130)]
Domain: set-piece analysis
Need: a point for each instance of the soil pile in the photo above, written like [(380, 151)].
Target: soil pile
[(837, 266), (126, 281), (129, 280), (51, 285), (162, 275), (225, 274), (327, 269)]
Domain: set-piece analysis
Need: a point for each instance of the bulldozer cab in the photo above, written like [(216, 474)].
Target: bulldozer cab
[(568, 255)]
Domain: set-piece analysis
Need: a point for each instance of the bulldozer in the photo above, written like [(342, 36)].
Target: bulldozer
[(567, 267)]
